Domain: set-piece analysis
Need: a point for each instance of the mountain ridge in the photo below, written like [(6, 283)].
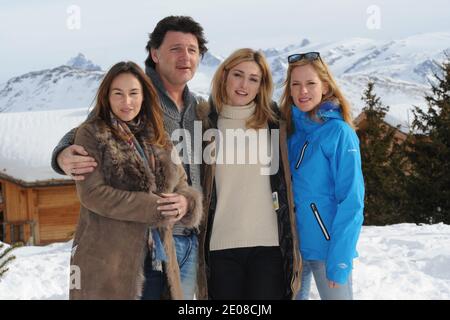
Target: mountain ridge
[(401, 70)]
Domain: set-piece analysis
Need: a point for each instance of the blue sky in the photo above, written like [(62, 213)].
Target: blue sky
[(34, 34)]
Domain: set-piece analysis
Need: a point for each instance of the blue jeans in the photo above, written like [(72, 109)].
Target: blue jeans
[(187, 257), (154, 281), (317, 268)]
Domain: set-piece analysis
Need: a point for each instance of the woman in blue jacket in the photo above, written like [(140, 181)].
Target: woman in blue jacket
[(326, 172)]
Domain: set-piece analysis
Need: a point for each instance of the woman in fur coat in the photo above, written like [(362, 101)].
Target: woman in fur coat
[(123, 246)]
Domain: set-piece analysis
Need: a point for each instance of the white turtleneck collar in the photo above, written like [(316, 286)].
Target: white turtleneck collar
[(238, 112)]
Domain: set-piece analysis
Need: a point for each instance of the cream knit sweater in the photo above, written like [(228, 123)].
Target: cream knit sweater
[(244, 215)]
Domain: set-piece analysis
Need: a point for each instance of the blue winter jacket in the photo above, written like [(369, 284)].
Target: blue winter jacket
[(328, 187)]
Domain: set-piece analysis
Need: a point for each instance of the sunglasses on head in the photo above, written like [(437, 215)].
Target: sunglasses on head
[(310, 56)]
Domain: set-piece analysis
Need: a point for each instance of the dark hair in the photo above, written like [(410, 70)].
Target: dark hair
[(151, 111), (183, 24)]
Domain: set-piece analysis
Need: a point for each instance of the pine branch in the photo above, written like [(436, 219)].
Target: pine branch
[(6, 251), (4, 259), (8, 260)]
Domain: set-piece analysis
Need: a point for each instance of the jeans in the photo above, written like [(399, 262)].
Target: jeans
[(154, 281), (187, 257), (317, 268)]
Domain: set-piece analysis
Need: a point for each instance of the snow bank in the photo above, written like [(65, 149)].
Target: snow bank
[(402, 261), (38, 273)]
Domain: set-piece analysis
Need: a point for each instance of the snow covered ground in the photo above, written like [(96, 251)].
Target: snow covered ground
[(396, 262)]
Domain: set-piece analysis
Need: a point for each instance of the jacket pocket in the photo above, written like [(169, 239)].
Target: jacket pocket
[(301, 155), (320, 221)]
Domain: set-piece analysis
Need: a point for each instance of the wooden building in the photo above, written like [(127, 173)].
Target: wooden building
[(401, 132), (37, 212), (37, 205)]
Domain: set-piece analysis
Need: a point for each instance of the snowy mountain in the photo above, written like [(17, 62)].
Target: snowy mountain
[(401, 70), (65, 87), (80, 62)]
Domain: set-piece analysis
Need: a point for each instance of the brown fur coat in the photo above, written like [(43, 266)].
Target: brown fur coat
[(118, 205)]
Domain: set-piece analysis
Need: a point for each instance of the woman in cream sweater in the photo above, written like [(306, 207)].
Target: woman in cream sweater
[(248, 245)]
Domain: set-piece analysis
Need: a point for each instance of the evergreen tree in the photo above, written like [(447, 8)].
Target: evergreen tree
[(428, 151), (382, 164), (6, 258)]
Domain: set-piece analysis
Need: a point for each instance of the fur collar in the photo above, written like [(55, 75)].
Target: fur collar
[(122, 163)]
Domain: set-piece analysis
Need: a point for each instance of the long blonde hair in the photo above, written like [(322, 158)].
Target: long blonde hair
[(263, 99), (334, 94)]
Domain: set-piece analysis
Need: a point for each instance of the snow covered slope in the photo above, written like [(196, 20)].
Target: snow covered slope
[(400, 69), (398, 262), (65, 87)]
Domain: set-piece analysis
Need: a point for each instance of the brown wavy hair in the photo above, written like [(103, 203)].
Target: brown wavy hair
[(151, 111)]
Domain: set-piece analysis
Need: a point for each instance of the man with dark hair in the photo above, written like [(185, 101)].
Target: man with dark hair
[(174, 50), (174, 23)]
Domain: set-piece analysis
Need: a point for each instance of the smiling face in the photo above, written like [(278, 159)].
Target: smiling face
[(177, 58), (306, 87), (243, 83), (125, 96)]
